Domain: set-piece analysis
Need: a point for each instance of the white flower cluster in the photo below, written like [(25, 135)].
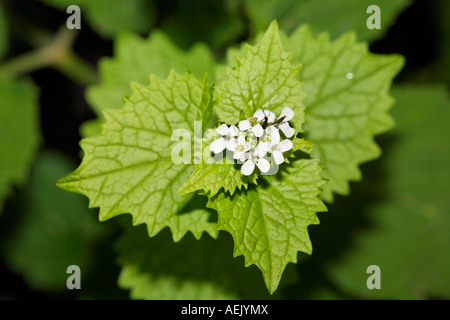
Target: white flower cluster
[(256, 138)]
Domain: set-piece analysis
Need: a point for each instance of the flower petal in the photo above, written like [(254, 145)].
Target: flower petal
[(270, 116), (233, 131), (275, 137), (271, 129), (222, 129), (259, 114), (218, 145), (288, 113), (245, 156), (286, 129), (264, 147), (244, 125), (260, 151), (241, 140), (248, 167), (278, 157), (238, 155), (269, 147), (258, 130), (263, 165), (286, 145), (231, 145)]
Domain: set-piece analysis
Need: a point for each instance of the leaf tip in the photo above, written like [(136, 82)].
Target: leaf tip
[(183, 190), (61, 182), (273, 27), (65, 182)]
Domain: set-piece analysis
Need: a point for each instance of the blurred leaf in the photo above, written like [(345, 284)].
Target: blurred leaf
[(410, 238), (19, 132), (214, 22), (3, 32), (321, 293), (136, 58), (335, 17), (190, 269), (109, 17), (262, 12), (54, 228)]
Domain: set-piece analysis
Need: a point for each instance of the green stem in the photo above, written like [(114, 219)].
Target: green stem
[(57, 54), (76, 69), (26, 63)]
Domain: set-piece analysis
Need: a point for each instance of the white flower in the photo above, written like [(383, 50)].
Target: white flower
[(271, 129), (277, 147), (288, 114), (255, 138), (239, 146), (269, 115), (253, 123), (227, 133), (255, 158)]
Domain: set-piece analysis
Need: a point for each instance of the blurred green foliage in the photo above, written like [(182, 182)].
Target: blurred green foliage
[(135, 58), (52, 229), (19, 131), (110, 17), (334, 17), (409, 241)]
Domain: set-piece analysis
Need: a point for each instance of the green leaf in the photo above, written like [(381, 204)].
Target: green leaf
[(3, 32), (109, 17), (207, 270), (263, 79), (91, 128), (269, 222), (409, 236), (135, 59), (335, 17), (299, 144), (343, 114), (50, 229), (302, 145), (19, 131), (212, 177), (129, 167)]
